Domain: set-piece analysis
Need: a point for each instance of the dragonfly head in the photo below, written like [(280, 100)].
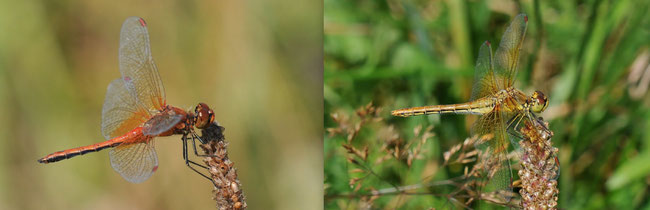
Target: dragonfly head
[(538, 102), (203, 116)]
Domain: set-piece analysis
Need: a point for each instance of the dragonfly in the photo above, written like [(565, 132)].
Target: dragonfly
[(502, 108), (135, 112)]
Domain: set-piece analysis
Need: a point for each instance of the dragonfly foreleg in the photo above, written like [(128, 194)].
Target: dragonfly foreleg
[(513, 124), (194, 137)]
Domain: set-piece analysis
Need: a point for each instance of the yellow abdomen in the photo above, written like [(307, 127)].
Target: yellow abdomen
[(478, 107)]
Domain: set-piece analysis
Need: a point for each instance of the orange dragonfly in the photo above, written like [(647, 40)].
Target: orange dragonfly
[(501, 106), (135, 112)]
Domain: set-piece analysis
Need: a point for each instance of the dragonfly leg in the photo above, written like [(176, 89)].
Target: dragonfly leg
[(521, 117), (186, 155), (540, 121), (513, 124), (189, 162), (194, 137)]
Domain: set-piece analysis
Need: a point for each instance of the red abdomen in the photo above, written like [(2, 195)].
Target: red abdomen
[(134, 136)]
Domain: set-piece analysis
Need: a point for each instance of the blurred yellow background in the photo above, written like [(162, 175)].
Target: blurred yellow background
[(257, 63)]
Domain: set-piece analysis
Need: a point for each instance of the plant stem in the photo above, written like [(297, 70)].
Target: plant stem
[(228, 192)]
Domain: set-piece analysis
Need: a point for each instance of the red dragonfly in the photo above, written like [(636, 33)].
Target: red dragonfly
[(135, 112)]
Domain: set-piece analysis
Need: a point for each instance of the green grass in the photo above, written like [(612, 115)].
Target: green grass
[(413, 53)]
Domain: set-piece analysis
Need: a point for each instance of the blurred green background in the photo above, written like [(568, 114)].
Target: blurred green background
[(591, 58), (258, 64)]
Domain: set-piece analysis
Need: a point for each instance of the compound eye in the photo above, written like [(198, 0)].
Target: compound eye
[(204, 116), (539, 102), (211, 116)]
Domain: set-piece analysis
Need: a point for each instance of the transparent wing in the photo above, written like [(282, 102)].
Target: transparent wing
[(138, 70), (484, 73), (507, 55), (496, 165), (120, 114), (161, 123), (135, 162)]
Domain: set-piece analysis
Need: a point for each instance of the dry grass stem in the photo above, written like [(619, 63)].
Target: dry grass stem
[(228, 192), (538, 171), (539, 167), (386, 148)]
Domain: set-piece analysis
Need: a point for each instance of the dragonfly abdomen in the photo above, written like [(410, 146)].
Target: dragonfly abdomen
[(480, 106), (69, 153)]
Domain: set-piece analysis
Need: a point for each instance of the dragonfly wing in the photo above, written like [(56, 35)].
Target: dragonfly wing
[(494, 152), (507, 55), (161, 123), (120, 114), (499, 183), (138, 69), (135, 162), (484, 73)]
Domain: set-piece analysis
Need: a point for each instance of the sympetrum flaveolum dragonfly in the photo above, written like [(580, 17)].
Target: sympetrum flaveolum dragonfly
[(501, 107)]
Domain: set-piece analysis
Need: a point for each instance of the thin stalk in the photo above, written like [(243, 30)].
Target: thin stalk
[(228, 192)]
